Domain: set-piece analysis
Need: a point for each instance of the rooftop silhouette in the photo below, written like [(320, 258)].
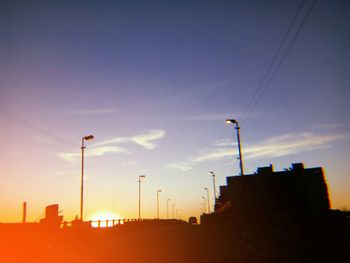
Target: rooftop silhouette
[(285, 215)]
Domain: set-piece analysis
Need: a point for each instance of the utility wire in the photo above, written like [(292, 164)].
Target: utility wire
[(34, 127), (44, 132), (272, 62), (39, 130), (284, 56), (262, 87)]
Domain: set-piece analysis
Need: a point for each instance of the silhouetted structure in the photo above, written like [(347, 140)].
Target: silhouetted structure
[(192, 220), (24, 213), (284, 215), (295, 189), (52, 218), (264, 217)]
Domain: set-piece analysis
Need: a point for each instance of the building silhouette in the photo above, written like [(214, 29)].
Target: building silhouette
[(266, 191), (283, 214), (52, 217)]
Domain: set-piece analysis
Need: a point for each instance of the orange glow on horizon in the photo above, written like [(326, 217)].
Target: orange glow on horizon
[(105, 217)]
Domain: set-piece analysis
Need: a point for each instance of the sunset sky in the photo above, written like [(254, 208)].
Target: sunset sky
[(154, 81)]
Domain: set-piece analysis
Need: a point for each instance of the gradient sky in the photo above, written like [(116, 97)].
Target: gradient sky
[(154, 81)]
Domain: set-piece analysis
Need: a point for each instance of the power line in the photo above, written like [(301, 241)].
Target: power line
[(285, 54), (272, 62), (37, 129), (262, 87), (34, 127)]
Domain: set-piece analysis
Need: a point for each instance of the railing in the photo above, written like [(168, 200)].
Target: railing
[(119, 222), (111, 222)]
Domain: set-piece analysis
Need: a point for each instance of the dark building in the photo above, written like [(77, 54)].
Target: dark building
[(52, 217), (267, 191), (284, 215)]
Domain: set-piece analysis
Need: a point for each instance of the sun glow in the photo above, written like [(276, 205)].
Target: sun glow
[(105, 219)]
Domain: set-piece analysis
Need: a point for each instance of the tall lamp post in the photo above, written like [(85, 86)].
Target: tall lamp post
[(167, 208), (204, 204), (239, 143), (206, 189), (214, 186), (83, 139), (158, 191), (140, 177)]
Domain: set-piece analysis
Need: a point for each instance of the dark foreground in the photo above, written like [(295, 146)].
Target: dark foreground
[(147, 243)]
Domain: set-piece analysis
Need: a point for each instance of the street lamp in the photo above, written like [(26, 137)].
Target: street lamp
[(83, 139), (158, 191), (140, 177), (202, 208), (167, 208), (239, 142), (206, 189), (213, 174), (204, 204)]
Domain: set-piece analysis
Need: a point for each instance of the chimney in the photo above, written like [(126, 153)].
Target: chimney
[(297, 166), (24, 216)]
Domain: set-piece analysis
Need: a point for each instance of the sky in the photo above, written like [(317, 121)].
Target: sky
[(154, 82)]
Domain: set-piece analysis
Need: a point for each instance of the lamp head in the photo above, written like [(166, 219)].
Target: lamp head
[(88, 137), (159, 191), (231, 121), (142, 176), (212, 173)]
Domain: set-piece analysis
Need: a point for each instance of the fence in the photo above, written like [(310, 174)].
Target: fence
[(107, 222)]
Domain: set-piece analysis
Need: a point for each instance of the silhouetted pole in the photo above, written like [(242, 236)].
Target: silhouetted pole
[(167, 208), (206, 189), (158, 191), (204, 204), (24, 217), (203, 208), (239, 143), (214, 186), (141, 176), (83, 139)]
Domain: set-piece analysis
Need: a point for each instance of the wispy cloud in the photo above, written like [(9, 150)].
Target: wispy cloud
[(145, 140), (67, 173), (179, 166), (200, 117), (113, 145), (224, 142), (211, 155), (291, 144), (42, 138), (328, 125), (75, 174), (283, 145), (190, 92), (92, 111), (93, 152)]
